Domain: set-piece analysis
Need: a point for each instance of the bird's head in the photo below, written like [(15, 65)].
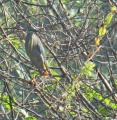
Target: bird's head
[(32, 29)]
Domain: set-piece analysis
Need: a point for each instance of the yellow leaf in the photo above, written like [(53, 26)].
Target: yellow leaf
[(97, 40), (113, 8), (102, 31)]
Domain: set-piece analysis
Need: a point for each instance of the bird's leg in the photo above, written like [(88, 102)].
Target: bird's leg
[(46, 73), (44, 67)]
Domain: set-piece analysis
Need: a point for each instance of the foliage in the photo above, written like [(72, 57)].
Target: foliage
[(79, 37), (6, 101), (30, 118), (102, 31), (87, 68), (108, 18)]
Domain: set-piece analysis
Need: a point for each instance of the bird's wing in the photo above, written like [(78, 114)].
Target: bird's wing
[(41, 53), (40, 47)]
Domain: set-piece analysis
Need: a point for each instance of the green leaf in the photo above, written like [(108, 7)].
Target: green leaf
[(108, 18), (55, 72), (113, 105), (5, 100), (99, 96), (34, 74), (86, 70), (72, 113), (107, 101), (43, 2), (15, 42), (85, 110), (102, 110), (63, 1), (51, 87), (47, 105), (90, 65), (78, 23), (30, 118), (116, 81), (88, 73)]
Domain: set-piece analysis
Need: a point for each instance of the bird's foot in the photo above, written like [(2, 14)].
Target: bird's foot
[(46, 73)]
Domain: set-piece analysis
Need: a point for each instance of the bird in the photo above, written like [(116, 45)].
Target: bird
[(35, 50)]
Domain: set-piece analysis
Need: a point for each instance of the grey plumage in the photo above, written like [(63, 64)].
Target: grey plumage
[(35, 50)]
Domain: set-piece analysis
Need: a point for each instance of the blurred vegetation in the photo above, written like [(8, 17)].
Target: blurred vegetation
[(80, 40)]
